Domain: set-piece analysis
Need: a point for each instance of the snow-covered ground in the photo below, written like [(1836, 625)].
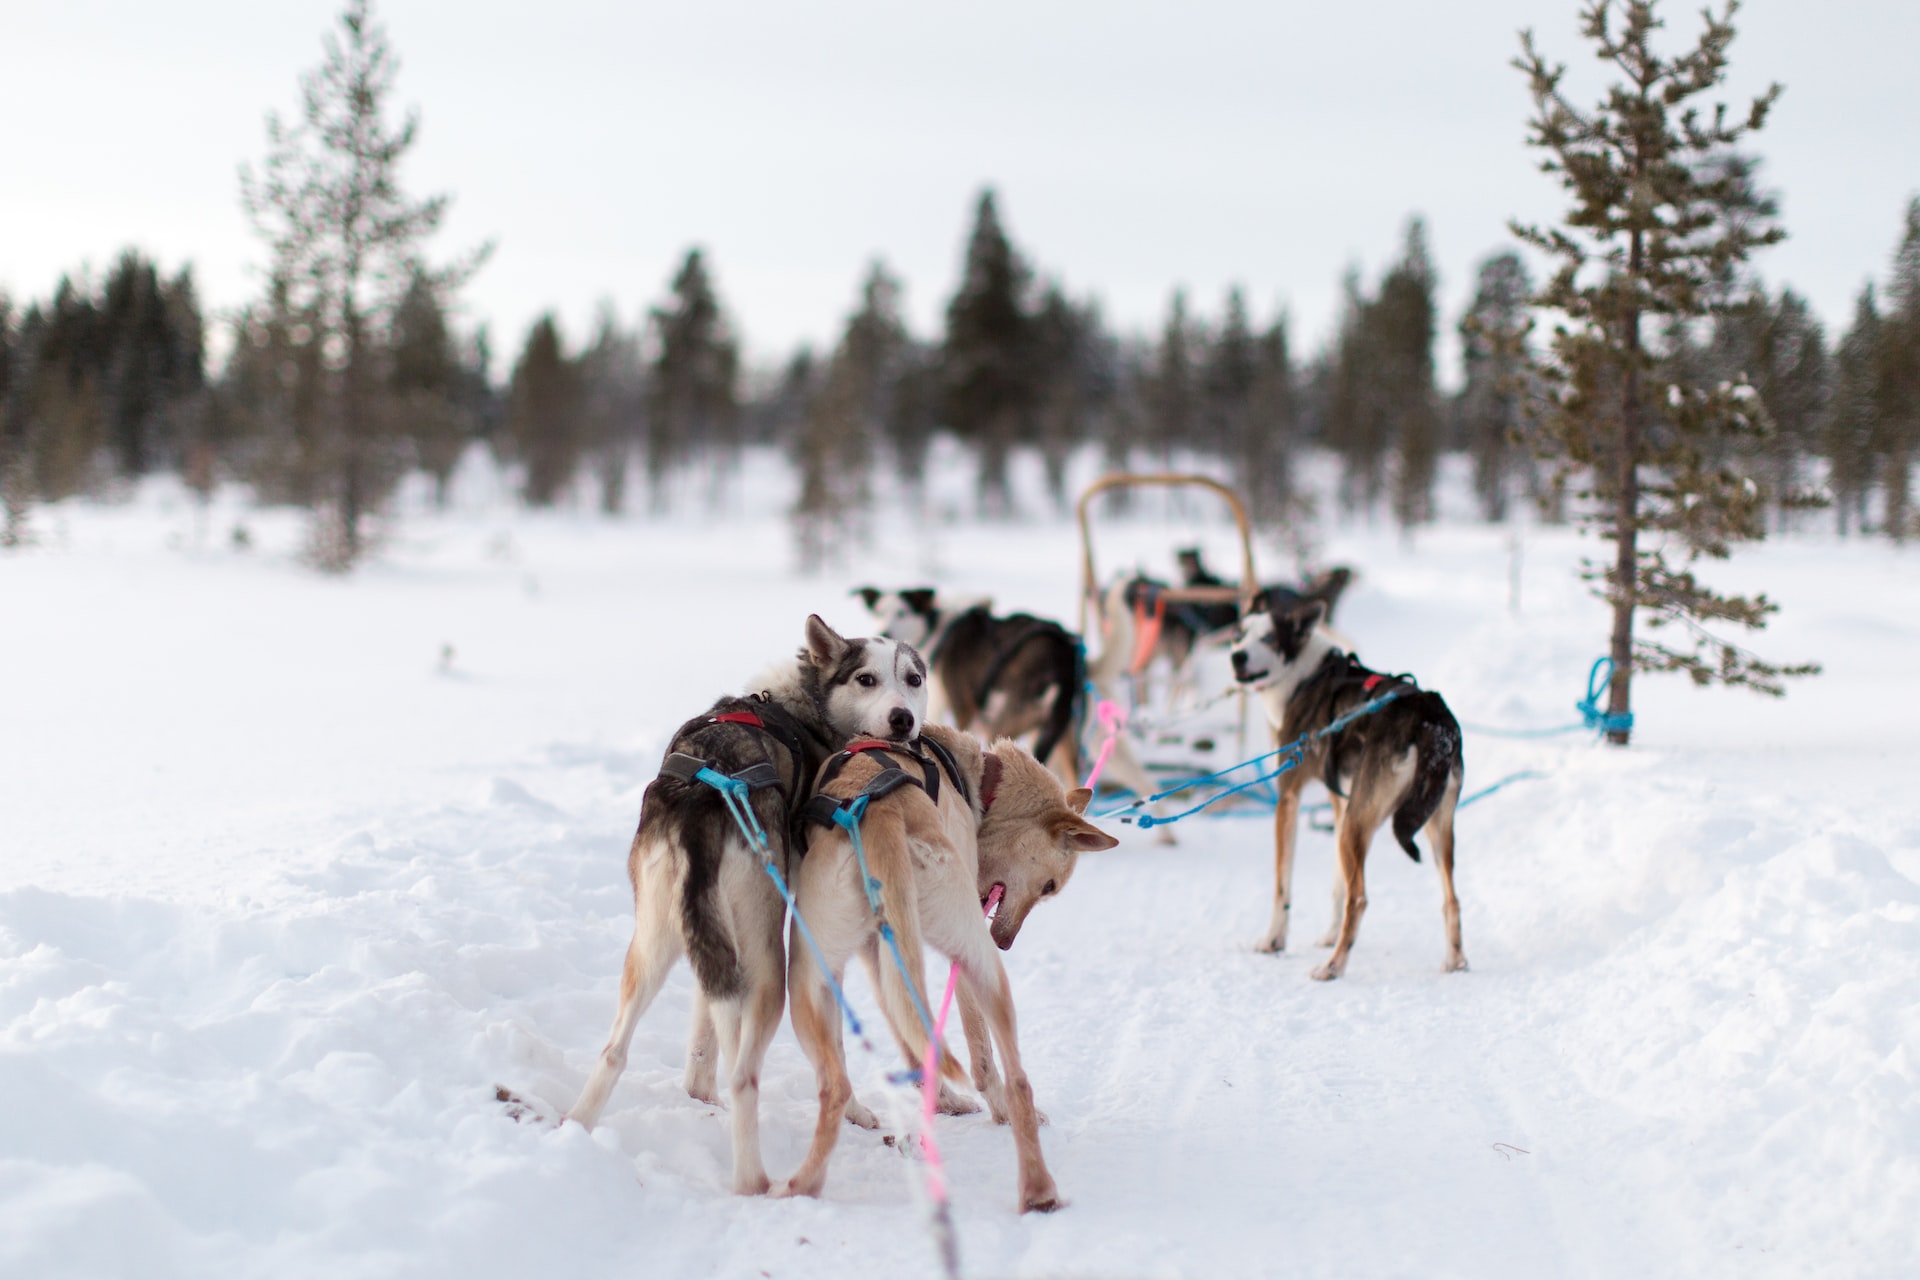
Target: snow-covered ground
[(284, 893)]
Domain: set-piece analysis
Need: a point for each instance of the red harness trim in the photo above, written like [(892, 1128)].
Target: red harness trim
[(869, 744), (1372, 682), (738, 717), (989, 780)]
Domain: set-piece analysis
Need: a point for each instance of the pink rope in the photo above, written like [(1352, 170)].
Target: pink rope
[(1111, 718), (930, 1079)]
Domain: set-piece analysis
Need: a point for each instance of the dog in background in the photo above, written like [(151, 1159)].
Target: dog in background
[(1402, 762), (1001, 820), (1006, 676), (701, 890)]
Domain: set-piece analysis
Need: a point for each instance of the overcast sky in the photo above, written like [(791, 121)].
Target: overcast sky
[(1135, 147)]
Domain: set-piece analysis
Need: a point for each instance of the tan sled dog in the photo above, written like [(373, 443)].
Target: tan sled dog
[(939, 845)]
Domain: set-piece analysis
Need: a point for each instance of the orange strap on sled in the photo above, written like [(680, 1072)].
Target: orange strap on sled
[(1146, 631)]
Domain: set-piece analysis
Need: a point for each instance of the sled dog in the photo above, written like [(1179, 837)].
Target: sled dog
[(946, 823), (1010, 676), (700, 889), (1402, 761)]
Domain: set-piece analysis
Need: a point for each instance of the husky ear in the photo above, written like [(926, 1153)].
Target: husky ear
[(869, 594), (919, 599), (824, 644), (1306, 617), (1083, 837), (1078, 798)]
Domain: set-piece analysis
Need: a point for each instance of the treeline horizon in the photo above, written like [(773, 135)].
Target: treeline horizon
[(348, 372)]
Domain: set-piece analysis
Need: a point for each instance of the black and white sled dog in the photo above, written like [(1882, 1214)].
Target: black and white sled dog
[(1402, 761), (1005, 677), (701, 890)]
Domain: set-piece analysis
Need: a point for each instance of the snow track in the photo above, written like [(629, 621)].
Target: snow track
[(265, 1043)]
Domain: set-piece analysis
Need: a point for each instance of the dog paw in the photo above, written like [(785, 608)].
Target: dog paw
[(996, 1097), (954, 1103), (1456, 963), (797, 1185), (861, 1115), (1326, 972), (1044, 1198), (752, 1185), (1270, 946)]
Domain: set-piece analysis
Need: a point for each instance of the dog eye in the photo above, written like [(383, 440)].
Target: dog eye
[(1050, 890), (867, 680), (913, 681)]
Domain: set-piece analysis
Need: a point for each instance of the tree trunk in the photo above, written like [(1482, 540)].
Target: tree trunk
[(1626, 522)]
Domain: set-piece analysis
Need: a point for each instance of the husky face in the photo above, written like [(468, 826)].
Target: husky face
[(1272, 650), (906, 616), (871, 688), (1031, 840)]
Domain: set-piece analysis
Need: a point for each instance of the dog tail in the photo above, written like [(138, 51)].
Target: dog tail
[(1070, 679), (703, 916), (1437, 765), (902, 996)]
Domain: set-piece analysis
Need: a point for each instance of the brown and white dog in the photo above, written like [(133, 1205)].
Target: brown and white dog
[(700, 889), (995, 818), (1402, 761)]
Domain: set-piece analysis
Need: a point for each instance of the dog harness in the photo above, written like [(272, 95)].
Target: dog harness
[(1339, 673), (771, 720), (825, 809)]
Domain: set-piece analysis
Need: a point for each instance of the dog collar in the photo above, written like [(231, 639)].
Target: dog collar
[(989, 781)]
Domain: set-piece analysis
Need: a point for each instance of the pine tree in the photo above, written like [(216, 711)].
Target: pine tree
[(345, 242), (1657, 227), (1232, 366), (1897, 382), (1402, 321), (1849, 427), (1493, 391), (1174, 399), (544, 415), (692, 387), (613, 376), (16, 485), (1272, 429), (424, 377), (986, 362), (1354, 419)]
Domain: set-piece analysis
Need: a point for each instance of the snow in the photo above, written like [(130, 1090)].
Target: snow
[(283, 896)]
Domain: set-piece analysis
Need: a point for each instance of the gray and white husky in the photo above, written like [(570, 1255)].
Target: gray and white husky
[(700, 889), (1402, 761)]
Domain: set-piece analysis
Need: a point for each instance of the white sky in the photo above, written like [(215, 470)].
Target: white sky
[(1135, 147)]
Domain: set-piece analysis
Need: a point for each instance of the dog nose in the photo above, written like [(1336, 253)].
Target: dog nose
[(900, 721)]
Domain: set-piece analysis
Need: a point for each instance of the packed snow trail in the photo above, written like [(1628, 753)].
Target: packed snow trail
[(281, 901)]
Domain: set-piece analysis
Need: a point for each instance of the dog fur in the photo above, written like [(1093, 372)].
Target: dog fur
[(699, 889), (1009, 676), (937, 862), (1401, 762)]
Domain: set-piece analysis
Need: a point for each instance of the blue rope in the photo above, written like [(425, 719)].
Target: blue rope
[(1592, 718), (1295, 751), (849, 820), (735, 793)]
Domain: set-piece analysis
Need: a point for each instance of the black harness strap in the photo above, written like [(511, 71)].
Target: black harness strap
[(823, 808), (1341, 672)]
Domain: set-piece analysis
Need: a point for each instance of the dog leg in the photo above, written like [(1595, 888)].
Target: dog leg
[(816, 1025), (980, 1052), (1037, 1189), (1339, 881), (1439, 831), (1351, 838), (756, 1016), (650, 955), (703, 1052), (1286, 822)]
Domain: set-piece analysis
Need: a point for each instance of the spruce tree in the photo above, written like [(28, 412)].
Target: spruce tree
[(16, 485), (1175, 389), (987, 358), (1849, 427), (1402, 322), (345, 241), (1897, 383), (1263, 463), (544, 415), (423, 377), (613, 376), (1493, 390), (1232, 367), (692, 387), (1657, 227)]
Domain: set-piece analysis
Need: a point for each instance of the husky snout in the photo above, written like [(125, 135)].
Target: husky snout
[(900, 724)]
